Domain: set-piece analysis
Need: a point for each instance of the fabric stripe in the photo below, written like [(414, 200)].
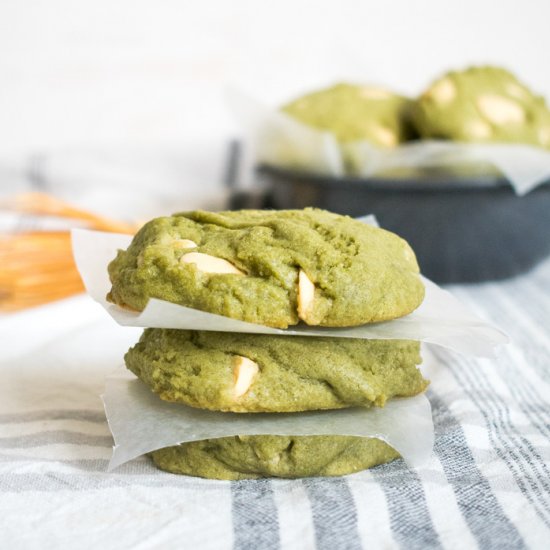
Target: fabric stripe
[(334, 514), (508, 434), (87, 464), (410, 520), (523, 325), (255, 518), (295, 517), (76, 426), (56, 414), (142, 473), (443, 508), (528, 398), (372, 511), (58, 452), (129, 517), (531, 401), (524, 385), (533, 468), (474, 496), (55, 437), (526, 325), (508, 444)]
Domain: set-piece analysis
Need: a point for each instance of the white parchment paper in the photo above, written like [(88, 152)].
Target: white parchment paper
[(275, 138), (441, 319), (141, 422)]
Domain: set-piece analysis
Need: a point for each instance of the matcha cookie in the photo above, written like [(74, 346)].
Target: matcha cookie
[(260, 373), (482, 104), (270, 267), (257, 456), (355, 113)]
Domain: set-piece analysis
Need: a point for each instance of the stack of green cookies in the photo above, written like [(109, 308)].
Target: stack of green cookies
[(275, 268)]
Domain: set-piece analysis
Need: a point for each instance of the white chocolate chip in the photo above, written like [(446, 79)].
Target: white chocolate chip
[(371, 92), (500, 110), (442, 92), (210, 264), (306, 295), (544, 135), (244, 372), (384, 136), (184, 243), (477, 129), (515, 90)]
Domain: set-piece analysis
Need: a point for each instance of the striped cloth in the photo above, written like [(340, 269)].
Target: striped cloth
[(487, 485)]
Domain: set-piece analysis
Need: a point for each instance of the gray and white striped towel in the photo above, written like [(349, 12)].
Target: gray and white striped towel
[(487, 485)]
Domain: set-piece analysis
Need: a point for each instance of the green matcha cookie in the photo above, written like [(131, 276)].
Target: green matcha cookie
[(270, 267), (355, 113), (260, 373), (482, 104), (257, 456)]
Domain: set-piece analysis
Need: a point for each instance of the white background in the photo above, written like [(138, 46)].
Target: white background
[(136, 71), (108, 75)]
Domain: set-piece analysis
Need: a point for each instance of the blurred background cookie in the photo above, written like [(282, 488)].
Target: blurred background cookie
[(482, 104), (355, 113)]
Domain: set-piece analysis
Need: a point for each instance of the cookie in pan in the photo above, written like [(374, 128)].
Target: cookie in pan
[(482, 104), (355, 113), (263, 373), (249, 457), (274, 268)]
